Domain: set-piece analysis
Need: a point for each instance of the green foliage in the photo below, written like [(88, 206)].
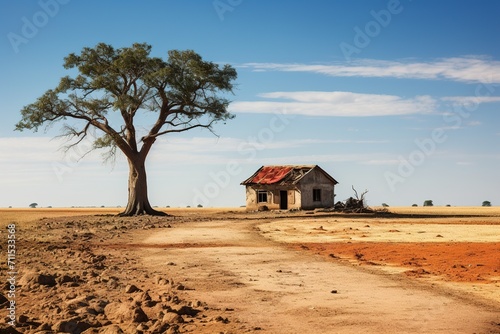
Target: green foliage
[(181, 91), (414, 205), (428, 203), (486, 203), (385, 205), (113, 86), (33, 205)]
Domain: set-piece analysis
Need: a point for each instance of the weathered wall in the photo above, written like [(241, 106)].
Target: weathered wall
[(273, 197), (316, 180)]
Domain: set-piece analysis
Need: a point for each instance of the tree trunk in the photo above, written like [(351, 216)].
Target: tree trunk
[(138, 203)]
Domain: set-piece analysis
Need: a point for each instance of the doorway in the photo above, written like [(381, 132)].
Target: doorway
[(283, 200)]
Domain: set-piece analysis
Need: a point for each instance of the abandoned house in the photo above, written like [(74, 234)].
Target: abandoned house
[(289, 187)]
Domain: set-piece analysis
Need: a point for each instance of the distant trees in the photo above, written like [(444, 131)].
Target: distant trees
[(428, 203), (486, 203), (385, 205), (414, 205), (33, 205)]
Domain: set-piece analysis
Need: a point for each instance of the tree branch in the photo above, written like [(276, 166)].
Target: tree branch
[(184, 129), (355, 192)]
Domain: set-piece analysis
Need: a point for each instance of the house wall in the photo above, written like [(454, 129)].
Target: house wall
[(316, 180), (273, 197)]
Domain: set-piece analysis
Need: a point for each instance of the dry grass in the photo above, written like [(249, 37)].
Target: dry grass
[(14, 215), (452, 210), (23, 215)]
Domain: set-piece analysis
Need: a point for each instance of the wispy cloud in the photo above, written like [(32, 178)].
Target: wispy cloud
[(471, 100), (181, 148), (473, 123), (472, 69), (336, 103)]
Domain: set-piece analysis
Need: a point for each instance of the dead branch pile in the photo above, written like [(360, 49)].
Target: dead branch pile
[(353, 205)]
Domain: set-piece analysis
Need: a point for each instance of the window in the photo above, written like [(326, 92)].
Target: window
[(262, 196), (317, 195)]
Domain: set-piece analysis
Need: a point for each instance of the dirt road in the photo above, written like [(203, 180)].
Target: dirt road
[(267, 287)]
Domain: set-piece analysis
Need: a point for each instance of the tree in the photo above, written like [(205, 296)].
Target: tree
[(428, 203), (33, 205), (180, 93), (486, 203)]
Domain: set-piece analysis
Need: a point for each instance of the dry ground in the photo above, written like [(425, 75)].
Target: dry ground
[(426, 270)]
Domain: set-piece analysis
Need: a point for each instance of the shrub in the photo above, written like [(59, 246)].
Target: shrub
[(428, 203)]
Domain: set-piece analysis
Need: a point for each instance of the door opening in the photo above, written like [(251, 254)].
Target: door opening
[(283, 200)]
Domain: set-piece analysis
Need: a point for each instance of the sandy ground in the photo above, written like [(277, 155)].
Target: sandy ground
[(233, 272)]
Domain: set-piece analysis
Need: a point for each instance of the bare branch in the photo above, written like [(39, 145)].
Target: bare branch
[(183, 129), (363, 195), (355, 192)]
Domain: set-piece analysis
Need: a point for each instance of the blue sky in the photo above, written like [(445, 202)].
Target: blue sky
[(397, 97)]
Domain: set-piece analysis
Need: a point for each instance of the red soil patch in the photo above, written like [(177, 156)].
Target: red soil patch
[(459, 262)]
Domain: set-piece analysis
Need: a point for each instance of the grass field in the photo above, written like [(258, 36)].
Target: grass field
[(24, 215), (443, 210)]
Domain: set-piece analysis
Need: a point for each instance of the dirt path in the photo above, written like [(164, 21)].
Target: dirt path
[(265, 287)]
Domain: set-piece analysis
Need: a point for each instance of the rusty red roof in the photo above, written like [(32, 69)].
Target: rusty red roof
[(271, 174), (288, 174)]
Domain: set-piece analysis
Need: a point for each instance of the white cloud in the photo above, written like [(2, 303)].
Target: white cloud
[(314, 103), (212, 150), (471, 100), (36, 160), (18, 149), (37, 157), (473, 123), (462, 69), (39, 160)]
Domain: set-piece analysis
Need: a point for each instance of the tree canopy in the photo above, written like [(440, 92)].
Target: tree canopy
[(182, 92)]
